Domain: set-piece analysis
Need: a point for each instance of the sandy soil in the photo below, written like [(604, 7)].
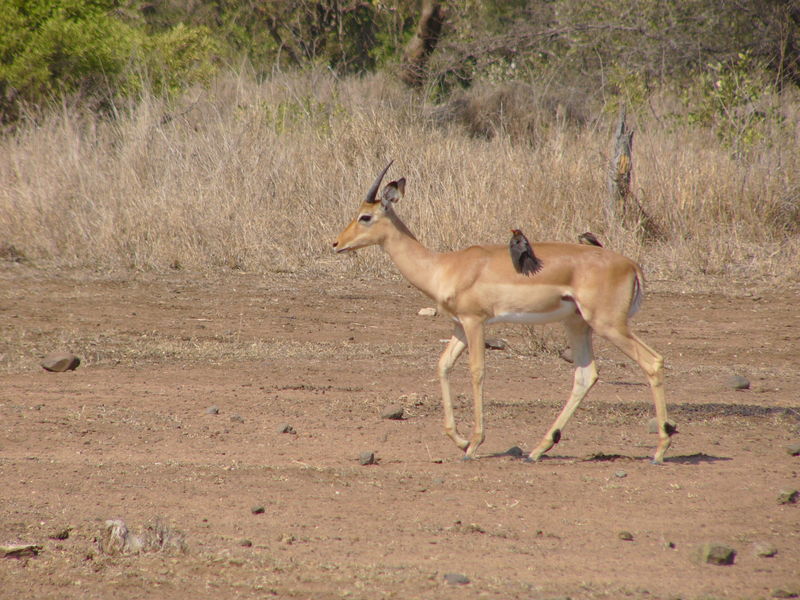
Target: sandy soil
[(128, 436)]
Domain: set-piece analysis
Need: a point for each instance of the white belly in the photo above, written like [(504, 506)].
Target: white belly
[(565, 309)]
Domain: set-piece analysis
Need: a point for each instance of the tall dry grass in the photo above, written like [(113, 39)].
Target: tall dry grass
[(261, 176)]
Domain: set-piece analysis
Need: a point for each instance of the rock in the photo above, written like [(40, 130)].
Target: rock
[(620, 474), (456, 579), (626, 536), (60, 534), (515, 451), (20, 550), (237, 419), (788, 497), (427, 312), (258, 510), (58, 362), (793, 449), (715, 554), (212, 410), (245, 543), (786, 592), (737, 382), (367, 458), (285, 428), (764, 550), (496, 344), (393, 412)]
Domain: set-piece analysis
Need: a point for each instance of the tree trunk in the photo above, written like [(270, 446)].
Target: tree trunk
[(422, 45), (623, 207)]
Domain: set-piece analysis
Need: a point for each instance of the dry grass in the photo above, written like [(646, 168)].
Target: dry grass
[(262, 176)]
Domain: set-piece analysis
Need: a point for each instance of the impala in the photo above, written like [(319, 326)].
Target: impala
[(587, 288)]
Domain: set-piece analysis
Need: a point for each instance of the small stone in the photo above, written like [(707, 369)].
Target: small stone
[(793, 449), (237, 419), (715, 554), (626, 536), (245, 543), (393, 412), (456, 579), (258, 510), (764, 550), (58, 362), (212, 410), (427, 312), (737, 382), (566, 355), (285, 428), (788, 497), (20, 550), (515, 451), (496, 344), (367, 458), (286, 538), (60, 534), (786, 592)]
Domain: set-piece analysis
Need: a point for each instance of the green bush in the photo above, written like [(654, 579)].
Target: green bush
[(49, 49)]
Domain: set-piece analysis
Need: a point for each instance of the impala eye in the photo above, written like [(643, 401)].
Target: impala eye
[(365, 218)]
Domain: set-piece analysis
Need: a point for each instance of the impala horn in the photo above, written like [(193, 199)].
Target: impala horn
[(373, 191)]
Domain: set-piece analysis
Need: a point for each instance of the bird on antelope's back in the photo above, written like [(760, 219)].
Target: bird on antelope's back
[(525, 261), (589, 239)]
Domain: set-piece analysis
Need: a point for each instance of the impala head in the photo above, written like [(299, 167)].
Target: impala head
[(374, 218)]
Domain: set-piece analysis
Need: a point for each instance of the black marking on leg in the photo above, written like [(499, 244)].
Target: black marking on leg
[(556, 436), (670, 428)]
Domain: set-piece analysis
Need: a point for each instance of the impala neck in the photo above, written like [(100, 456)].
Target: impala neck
[(416, 262)]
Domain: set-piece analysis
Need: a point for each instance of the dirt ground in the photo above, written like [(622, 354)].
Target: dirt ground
[(129, 436)]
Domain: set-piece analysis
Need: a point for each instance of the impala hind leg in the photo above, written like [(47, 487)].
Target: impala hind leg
[(579, 335), (652, 364), (448, 358)]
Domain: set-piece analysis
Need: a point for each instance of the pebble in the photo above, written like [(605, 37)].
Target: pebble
[(737, 382), (788, 497), (237, 418), (626, 536), (367, 458), (285, 428), (793, 449), (393, 412), (60, 534), (58, 362), (620, 474), (427, 312), (764, 550), (496, 344), (786, 592), (456, 579), (716, 554), (245, 543), (212, 410), (258, 510), (515, 451)]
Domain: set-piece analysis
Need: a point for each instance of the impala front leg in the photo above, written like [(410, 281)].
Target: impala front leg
[(450, 355), (477, 350)]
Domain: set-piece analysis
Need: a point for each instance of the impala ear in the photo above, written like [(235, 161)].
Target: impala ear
[(393, 191)]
